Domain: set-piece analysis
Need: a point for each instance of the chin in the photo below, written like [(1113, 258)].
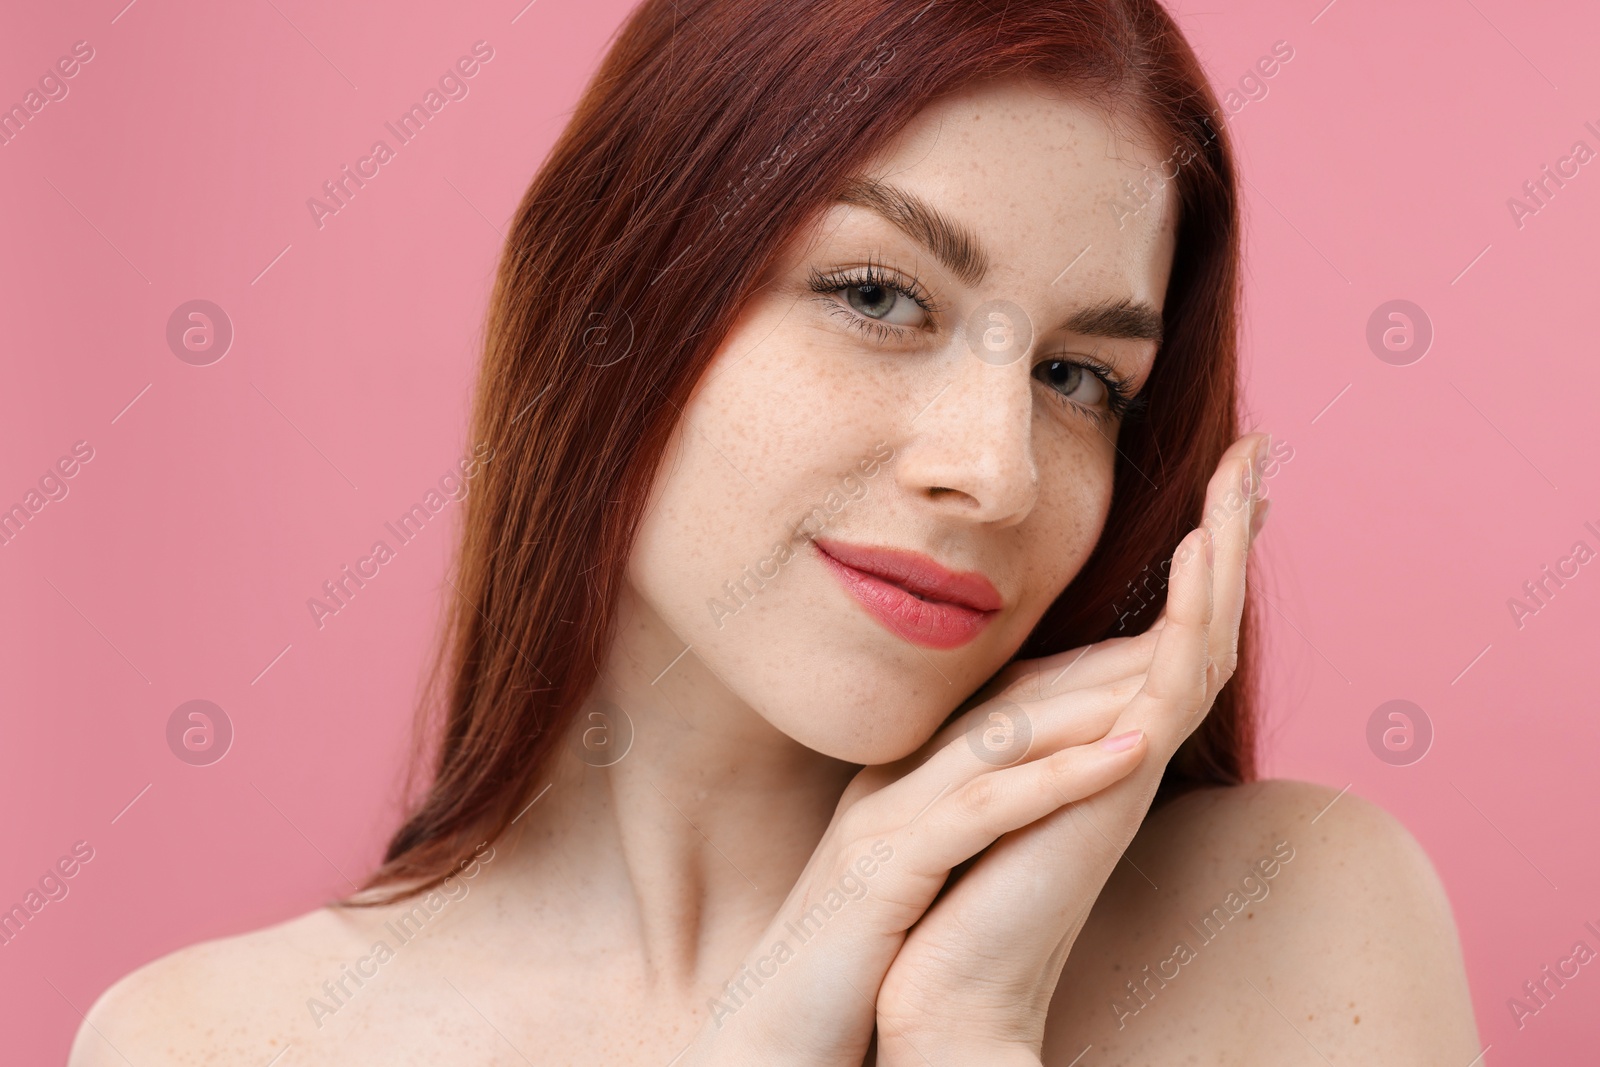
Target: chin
[(845, 687), (862, 727)]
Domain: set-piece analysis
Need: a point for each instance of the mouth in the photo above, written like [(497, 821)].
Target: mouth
[(911, 595)]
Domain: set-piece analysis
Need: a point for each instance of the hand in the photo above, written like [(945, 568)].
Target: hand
[(819, 979), (807, 994), (976, 975)]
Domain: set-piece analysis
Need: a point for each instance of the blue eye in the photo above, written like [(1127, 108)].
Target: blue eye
[(875, 300), (1097, 391), (1073, 381), (886, 303), (891, 307)]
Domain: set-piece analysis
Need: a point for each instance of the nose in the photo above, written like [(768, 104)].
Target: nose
[(969, 452)]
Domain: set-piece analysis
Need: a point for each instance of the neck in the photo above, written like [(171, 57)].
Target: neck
[(676, 816)]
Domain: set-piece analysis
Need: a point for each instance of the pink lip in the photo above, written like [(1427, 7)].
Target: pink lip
[(913, 596)]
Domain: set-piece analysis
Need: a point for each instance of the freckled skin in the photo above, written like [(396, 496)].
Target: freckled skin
[(990, 472), (626, 895), (1357, 913)]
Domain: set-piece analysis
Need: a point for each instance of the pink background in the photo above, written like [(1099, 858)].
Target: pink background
[(178, 567)]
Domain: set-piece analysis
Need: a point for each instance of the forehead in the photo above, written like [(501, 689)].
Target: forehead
[(1043, 180)]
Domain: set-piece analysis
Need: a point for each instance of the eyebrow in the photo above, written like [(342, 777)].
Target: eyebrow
[(1121, 319), (957, 247), (960, 250)]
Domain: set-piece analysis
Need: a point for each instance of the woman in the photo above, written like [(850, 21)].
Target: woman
[(862, 553)]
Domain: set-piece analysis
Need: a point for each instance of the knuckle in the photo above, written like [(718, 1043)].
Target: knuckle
[(1127, 688), (1183, 693), (1018, 682), (979, 795), (849, 858), (1064, 772), (856, 825)]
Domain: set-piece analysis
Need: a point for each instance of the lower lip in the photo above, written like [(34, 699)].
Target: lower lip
[(929, 623)]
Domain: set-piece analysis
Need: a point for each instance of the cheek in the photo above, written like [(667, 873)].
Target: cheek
[(774, 435), (760, 440), (1075, 482), (701, 507)]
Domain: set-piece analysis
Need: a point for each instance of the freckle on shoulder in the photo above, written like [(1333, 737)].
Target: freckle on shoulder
[(1225, 826), (166, 1011)]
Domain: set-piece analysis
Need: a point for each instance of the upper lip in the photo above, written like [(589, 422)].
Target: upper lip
[(918, 574)]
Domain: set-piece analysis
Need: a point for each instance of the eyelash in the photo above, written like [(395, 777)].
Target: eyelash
[(1121, 404), (875, 275)]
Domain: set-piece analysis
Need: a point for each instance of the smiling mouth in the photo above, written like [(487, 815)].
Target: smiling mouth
[(911, 595)]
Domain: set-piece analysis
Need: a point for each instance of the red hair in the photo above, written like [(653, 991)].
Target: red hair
[(712, 133)]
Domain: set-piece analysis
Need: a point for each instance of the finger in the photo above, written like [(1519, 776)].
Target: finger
[(1076, 668), (972, 816), (1004, 732), (1082, 668), (916, 856), (998, 732), (1174, 690), (1230, 506)]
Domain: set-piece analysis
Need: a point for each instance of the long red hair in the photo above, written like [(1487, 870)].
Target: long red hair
[(712, 132)]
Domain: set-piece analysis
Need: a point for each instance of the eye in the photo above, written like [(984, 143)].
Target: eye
[(886, 304), (1094, 390), (875, 300), (1073, 381)]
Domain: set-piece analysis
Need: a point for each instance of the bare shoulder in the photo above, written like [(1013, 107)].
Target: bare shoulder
[(1265, 923), (1224, 826), (233, 999)]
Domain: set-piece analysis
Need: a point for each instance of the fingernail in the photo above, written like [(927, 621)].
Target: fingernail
[(1122, 742), (1259, 519), (1247, 479)]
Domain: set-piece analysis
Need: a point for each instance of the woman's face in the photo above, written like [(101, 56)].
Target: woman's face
[(903, 451)]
